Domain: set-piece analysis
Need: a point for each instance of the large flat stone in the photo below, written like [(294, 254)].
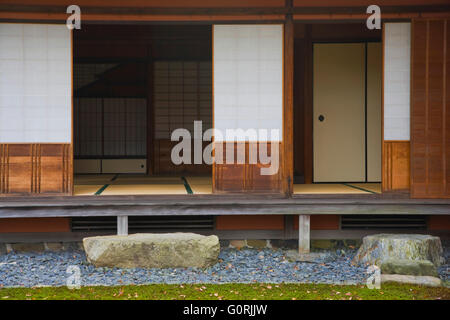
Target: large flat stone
[(409, 267), (417, 280), (378, 248), (151, 250)]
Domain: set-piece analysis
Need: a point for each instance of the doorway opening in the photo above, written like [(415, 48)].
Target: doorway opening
[(337, 109), (133, 86)]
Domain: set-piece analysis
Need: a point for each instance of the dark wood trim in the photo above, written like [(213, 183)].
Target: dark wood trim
[(148, 10), (68, 151), (308, 107), (150, 116), (287, 160), (235, 11)]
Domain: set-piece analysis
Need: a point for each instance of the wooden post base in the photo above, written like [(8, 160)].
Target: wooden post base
[(122, 225), (304, 234)]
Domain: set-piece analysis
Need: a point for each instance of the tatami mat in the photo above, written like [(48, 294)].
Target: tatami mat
[(151, 185), (144, 189), (325, 188), (92, 179), (199, 180), (127, 185), (86, 190), (147, 180), (373, 187), (200, 185)]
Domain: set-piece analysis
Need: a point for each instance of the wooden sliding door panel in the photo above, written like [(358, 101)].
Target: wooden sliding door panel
[(35, 169), (396, 166), (446, 137), (248, 87), (435, 124), (19, 169), (430, 108), (339, 112), (419, 107), (248, 176), (55, 169)]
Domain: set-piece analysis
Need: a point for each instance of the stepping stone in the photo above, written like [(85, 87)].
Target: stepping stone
[(409, 267), (417, 280), (153, 250), (378, 248)]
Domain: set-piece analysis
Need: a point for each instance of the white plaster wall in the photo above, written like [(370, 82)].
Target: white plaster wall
[(397, 57), (248, 78), (35, 83)]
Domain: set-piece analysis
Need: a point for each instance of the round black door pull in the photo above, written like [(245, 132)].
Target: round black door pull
[(321, 118)]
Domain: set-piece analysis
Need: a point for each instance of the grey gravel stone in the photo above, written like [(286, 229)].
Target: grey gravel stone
[(243, 266)]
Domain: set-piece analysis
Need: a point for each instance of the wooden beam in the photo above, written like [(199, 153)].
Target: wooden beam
[(227, 11), (304, 233), (220, 209)]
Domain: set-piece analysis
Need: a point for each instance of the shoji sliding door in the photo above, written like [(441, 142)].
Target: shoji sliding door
[(35, 109), (248, 95)]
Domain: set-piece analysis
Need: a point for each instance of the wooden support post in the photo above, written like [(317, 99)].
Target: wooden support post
[(303, 233), (150, 116), (122, 225), (288, 106)]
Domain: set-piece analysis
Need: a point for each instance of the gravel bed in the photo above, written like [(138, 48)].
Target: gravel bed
[(242, 266)]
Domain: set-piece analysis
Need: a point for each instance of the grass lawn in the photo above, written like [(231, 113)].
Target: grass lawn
[(238, 291)]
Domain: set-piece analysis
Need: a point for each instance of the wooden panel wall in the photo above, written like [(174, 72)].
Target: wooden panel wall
[(430, 109), (439, 222), (256, 222), (230, 178), (163, 164), (322, 222), (27, 169), (396, 166), (35, 225)]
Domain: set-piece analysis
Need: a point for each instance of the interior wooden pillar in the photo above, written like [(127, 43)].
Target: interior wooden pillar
[(150, 116), (308, 108)]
